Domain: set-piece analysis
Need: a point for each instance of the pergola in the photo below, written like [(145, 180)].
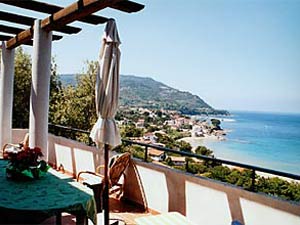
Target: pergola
[(39, 34)]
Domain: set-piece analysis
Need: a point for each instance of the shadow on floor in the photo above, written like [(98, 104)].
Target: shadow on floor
[(120, 210)]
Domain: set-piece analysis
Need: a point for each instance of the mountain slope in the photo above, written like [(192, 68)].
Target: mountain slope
[(146, 92)]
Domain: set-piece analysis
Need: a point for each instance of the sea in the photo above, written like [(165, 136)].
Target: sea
[(270, 140)]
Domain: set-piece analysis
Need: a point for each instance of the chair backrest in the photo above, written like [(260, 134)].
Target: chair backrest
[(12, 147), (25, 141), (118, 166)]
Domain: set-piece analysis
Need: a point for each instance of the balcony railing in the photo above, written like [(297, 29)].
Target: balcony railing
[(73, 133)]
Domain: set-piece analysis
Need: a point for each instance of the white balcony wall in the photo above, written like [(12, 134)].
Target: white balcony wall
[(81, 157), (205, 201), (206, 206), (64, 157), (259, 214), (155, 187), (72, 155)]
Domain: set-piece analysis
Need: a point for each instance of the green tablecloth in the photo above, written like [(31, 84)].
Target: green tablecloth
[(50, 195)]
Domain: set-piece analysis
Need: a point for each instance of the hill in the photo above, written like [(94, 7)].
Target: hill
[(149, 93), (67, 79)]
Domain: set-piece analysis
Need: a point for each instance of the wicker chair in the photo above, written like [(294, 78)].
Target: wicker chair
[(11, 146), (94, 180)]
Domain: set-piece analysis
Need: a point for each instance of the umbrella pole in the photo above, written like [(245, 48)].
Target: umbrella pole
[(106, 185)]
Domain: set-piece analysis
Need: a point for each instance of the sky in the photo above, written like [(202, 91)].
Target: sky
[(234, 54)]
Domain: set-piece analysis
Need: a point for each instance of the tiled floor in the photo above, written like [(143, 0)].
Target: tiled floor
[(125, 211), (118, 210)]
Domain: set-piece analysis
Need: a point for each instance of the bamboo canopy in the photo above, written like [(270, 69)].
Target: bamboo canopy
[(58, 19)]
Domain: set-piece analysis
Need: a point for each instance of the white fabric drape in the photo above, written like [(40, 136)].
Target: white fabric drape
[(105, 130)]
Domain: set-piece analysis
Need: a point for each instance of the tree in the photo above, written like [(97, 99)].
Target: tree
[(159, 113), (22, 87), (76, 106), (202, 150), (184, 146), (170, 162), (216, 123), (55, 91), (233, 177), (196, 168), (219, 173), (131, 131), (152, 128)]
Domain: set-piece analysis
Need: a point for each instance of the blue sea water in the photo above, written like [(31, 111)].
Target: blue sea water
[(268, 140)]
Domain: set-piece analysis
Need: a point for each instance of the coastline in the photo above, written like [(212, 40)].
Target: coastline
[(196, 141), (269, 140)]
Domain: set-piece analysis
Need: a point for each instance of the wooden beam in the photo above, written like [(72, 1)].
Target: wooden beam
[(56, 37), (68, 29), (15, 30), (25, 38), (20, 38), (71, 13), (10, 30), (14, 18), (25, 20), (128, 6), (4, 37), (51, 9), (75, 11)]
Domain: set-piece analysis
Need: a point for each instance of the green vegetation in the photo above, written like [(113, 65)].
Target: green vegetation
[(216, 124), (139, 92), (279, 188), (69, 106), (76, 105), (202, 150), (131, 131), (22, 88), (135, 150), (171, 143)]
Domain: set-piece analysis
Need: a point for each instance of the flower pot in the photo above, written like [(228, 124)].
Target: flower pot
[(15, 175)]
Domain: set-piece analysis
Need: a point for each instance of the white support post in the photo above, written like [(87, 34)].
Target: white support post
[(40, 88), (6, 94)]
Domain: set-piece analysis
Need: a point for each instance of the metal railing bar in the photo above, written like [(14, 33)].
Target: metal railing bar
[(223, 161), (203, 157)]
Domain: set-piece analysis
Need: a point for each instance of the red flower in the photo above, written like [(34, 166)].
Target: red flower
[(26, 149), (22, 155), (38, 151), (25, 157)]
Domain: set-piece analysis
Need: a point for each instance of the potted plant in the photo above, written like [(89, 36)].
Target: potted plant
[(25, 163)]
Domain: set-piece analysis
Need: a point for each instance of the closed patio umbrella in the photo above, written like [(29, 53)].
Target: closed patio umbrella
[(105, 132)]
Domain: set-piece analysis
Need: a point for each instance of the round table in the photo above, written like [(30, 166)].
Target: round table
[(48, 196)]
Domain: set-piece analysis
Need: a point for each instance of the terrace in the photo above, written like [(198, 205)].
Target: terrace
[(201, 200)]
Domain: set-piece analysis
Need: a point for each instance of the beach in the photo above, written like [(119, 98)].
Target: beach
[(268, 140)]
